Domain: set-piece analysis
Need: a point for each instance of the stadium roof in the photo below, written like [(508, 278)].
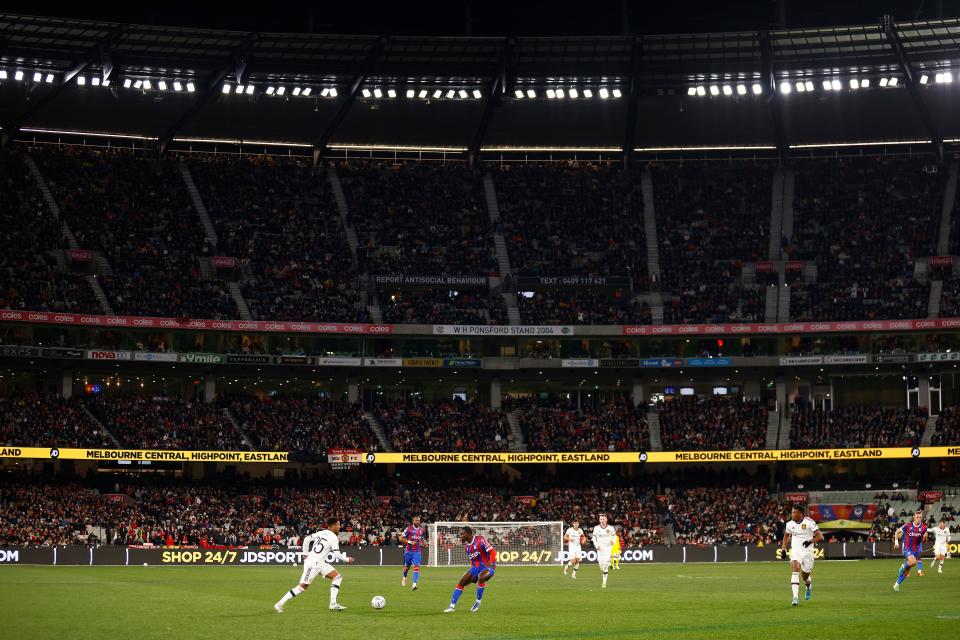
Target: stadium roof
[(672, 86)]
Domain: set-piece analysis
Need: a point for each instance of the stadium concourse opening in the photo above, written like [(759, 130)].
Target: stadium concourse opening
[(561, 322)]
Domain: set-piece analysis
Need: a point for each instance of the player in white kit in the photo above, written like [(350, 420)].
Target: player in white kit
[(603, 535), (573, 537), (943, 538), (801, 533), (318, 550)]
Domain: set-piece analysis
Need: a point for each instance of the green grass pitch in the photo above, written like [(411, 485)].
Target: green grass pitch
[(851, 600)]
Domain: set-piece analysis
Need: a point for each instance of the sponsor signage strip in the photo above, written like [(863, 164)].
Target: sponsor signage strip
[(709, 362), (947, 356), (500, 330), (579, 363), (700, 457), (791, 327), (461, 281), (800, 361), (618, 457), (266, 326), (383, 362), (158, 455), (145, 322), (854, 359), (529, 555), (572, 281), (150, 356)]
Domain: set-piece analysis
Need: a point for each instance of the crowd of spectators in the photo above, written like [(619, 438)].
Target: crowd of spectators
[(278, 218), (442, 306), (584, 307), (137, 213), (740, 515), (572, 219), (311, 425), (167, 512), (38, 420), (948, 427), (711, 217), (864, 222), (419, 218), (31, 238), (415, 425), (709, 294), (561, 426), (950, 298), (237, 510), (165, 422), (857, 427), (689, 423)]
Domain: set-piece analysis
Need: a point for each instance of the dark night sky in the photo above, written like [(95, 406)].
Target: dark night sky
[(516, 17)]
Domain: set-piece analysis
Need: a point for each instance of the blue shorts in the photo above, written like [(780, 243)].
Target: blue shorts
[(476, 571), (915, 554), (411, 557)]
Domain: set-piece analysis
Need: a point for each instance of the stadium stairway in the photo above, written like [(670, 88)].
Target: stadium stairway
[(379, 431), (100, 295), (933, 304), (669, 537), (789, 190), (776, 215), (773, 430), (247, 442), (207, 272), (102, 428), (946, 212), (71, 239), (928, 432), (500, 247), (239, 300), (516, 442), (770, 303), (783, 301), (367, 299), (783, 439), (210, 233), (650, 231), (943, 237), (653, 423)]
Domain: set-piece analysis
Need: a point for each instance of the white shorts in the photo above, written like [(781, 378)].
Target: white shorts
[(805, 558), (575, 553), (940, 550), (603, 558), (313, 569)]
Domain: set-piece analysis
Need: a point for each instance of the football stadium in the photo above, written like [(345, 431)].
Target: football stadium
[(480, 320)]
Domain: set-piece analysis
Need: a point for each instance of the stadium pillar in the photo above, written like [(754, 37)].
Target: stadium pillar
[(353, 390), (495, 393), (636, 394), (66, 384), (924, 397), (781, 396), (209, 388)]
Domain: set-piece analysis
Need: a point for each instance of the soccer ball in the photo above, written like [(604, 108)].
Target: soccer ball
[(378, 602)]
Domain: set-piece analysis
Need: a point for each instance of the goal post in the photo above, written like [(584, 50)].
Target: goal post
[(517, 543)]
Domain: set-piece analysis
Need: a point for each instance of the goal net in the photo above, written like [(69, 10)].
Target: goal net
[(517, 543)]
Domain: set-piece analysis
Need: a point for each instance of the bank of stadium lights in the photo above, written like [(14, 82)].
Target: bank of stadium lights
[(741, 89)]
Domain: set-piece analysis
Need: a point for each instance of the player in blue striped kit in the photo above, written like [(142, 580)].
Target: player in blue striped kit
[(412, 538), (914, 535)]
